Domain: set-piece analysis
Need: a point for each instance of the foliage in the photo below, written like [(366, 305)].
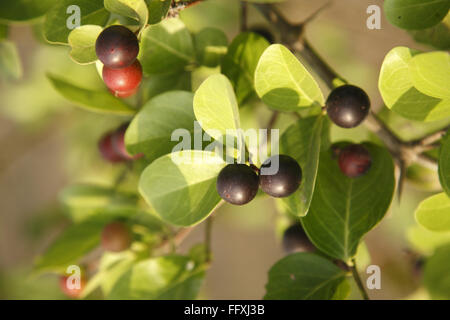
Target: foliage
[(335, 211)]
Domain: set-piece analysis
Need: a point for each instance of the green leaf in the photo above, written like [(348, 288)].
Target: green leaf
[(444, 164), (166, 47), (82, 40), (84, 201), (283, 83), (151, 129), (112, 266), (239, 64), (399, 94), (23, 10), (216, 108), (211, 46), (303, 276), (430, 73), (434, 213), (134, 9), (436, 276), (303, 141), (344, 209), (10, 65), (71, 245), (4, 30), (163, 278), (181, 186), (437, 36), (415, 14), (426, 241), (342, 291), (55, 26), (160, 83), (157, 9), (96, 101)]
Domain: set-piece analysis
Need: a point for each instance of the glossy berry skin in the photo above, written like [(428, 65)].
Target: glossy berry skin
[(296, 240), (347, 106), (354, 160), (286, 181), (237, 184), (115, 237), (117, 47), (73, 293), (125, 80)]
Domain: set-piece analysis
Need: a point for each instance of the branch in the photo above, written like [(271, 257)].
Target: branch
[(292, 37), (358, 281)]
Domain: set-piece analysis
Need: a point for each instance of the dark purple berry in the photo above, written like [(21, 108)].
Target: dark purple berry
[(237, 184), (347, 106), (354, 160), (296, 240), (117, 47), (115, 237), (123, 81), (285, 181)]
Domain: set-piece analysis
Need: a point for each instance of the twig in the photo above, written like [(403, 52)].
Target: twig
[(358, 281), (244, 16), (208, 230), (402, 151)]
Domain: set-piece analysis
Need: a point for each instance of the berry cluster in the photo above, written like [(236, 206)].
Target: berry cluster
[(239, 183), (112, 146), (117, 48)]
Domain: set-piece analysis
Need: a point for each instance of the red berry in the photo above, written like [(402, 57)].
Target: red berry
[(118, 144), (123, 94), (107, 150), (354, 160), (117, 47), (112, 146), (115, 237), (73, 293), (123, 80)]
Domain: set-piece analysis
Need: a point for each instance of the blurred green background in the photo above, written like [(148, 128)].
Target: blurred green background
[(48, 143)]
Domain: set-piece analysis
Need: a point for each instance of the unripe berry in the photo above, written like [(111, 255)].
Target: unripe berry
[(115, 237), (354, 160), (296, 240), (73, 293), (347, 106), (237, 184), (123, 81), (117, 47), (285, 181)]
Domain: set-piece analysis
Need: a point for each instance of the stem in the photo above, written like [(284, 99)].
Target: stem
[(358, 281), (208, 228), (244, 14)]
